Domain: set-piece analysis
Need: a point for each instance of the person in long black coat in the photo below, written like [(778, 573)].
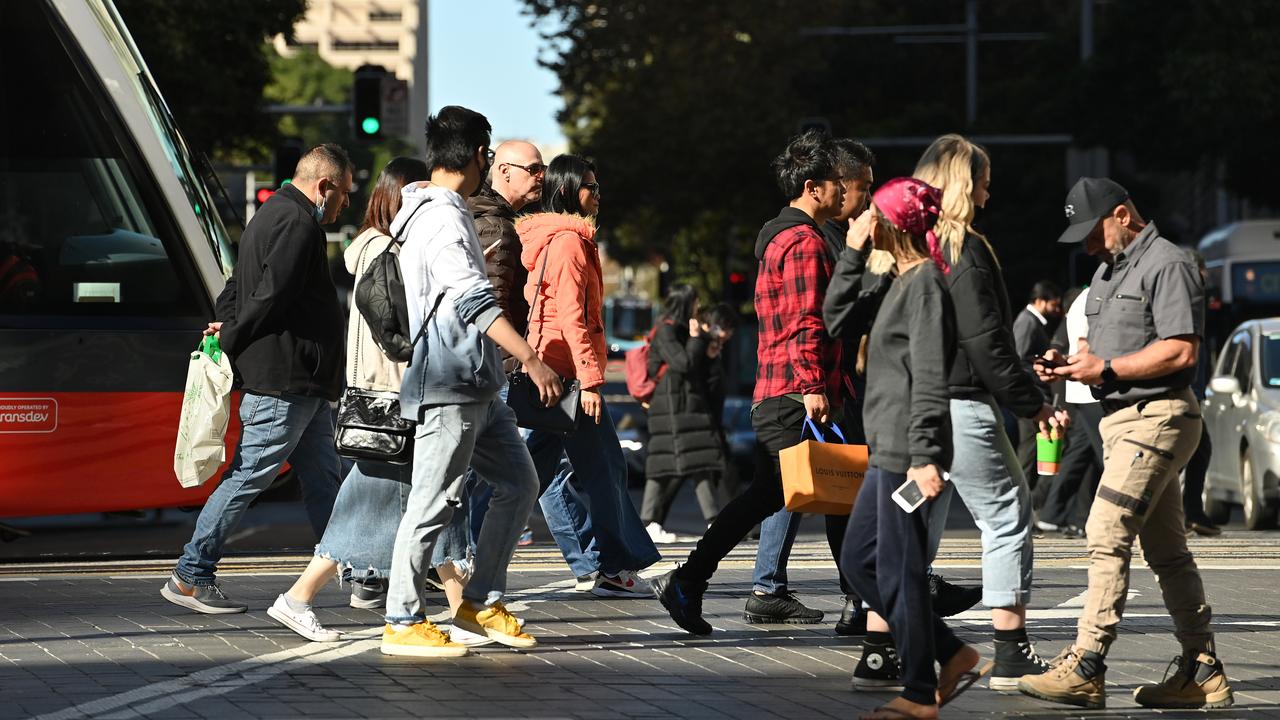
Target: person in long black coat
[(684, 431)]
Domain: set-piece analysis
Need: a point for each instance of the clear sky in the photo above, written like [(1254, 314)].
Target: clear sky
[(483, 54)]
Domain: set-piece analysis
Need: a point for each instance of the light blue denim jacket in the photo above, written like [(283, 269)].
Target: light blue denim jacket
[(454, 362)]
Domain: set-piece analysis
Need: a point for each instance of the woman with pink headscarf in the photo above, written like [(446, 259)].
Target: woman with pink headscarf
[(909, 353)]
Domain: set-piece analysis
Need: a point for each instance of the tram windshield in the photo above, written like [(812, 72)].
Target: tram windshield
[(85, 230)]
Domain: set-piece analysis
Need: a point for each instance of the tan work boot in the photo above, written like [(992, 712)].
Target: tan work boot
[(1196, 683), (1067, 682)]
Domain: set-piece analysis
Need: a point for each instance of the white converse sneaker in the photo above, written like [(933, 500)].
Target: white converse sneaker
[(304, 623)]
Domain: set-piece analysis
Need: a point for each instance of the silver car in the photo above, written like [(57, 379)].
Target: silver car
[(1242, 412)]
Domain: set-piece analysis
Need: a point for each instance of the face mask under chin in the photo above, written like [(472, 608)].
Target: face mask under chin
[(318, 211)]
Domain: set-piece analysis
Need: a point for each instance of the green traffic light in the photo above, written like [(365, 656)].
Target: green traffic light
[(370, 125)]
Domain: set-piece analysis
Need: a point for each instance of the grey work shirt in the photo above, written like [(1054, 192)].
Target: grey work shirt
[(1149, 292)]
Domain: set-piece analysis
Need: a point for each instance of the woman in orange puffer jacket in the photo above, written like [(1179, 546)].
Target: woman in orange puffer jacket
[(566, 294)]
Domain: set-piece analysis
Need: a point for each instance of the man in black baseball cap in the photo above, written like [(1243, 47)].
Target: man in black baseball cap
[(1090, 200), (1146, 322)]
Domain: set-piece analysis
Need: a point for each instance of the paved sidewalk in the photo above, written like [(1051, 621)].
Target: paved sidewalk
[(100, 642)]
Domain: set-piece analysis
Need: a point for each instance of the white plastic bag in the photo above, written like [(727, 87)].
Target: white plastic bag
[(206, 408)]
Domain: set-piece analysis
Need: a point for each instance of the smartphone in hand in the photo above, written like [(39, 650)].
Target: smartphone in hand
[(1042, 360), (908, 496)]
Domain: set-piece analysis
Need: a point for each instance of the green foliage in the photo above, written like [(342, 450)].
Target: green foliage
[(211, 66)]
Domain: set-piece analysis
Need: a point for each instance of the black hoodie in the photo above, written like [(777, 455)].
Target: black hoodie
[(787, 219)]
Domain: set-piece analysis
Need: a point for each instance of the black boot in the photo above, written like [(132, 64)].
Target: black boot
[(951, 599), (683, 601), (853, 619)]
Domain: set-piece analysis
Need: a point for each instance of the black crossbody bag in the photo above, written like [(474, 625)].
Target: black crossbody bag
[(523, 396)]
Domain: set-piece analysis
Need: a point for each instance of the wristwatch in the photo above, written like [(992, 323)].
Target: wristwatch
[(1108, 375)]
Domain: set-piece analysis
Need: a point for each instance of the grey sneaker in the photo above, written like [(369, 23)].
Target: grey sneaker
[(304, 623), (207, 599), (369, 596)]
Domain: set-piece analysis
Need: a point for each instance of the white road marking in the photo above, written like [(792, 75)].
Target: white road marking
[(219, 680), (1066, 610)]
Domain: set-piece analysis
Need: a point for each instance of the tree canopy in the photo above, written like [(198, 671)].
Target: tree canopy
[(211, 64), (683, 105)]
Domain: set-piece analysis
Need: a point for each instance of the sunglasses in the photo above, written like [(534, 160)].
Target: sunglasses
[(534, 169)]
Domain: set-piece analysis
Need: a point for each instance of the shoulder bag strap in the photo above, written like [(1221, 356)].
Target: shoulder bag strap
[(361, 325), (538, 288)]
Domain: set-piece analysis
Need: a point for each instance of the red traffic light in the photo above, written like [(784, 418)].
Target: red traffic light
[(263, 194), (737, 277)]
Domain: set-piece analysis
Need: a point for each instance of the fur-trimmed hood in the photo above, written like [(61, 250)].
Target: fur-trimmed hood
[(537, 231)]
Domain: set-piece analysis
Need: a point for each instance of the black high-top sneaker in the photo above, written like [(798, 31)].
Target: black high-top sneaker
[(1015, 657), (878, 670)]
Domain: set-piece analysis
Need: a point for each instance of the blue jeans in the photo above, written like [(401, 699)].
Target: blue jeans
[(777, 534), (612, 525), (449, 439), (988, 477), (288, 427), (362, 530), (569, 522)]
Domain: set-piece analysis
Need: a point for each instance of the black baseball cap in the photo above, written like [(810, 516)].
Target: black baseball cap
[(1090, 200)]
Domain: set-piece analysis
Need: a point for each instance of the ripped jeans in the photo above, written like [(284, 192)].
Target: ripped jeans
[(362, 529), (448, 440)]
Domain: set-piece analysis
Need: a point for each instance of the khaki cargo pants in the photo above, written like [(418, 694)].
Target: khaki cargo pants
[(1145, 446)]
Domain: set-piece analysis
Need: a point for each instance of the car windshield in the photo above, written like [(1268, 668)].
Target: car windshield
[(1271, 360)]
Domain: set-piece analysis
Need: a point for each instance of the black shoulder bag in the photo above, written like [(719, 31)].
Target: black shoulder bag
[(523, 396)]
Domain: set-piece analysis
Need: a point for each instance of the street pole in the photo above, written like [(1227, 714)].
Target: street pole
[(971, 62), (250, 193)]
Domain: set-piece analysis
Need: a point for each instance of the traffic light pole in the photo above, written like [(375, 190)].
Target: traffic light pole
[(250, 185)]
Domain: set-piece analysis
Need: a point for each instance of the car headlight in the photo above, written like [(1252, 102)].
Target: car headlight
[(1269, 426), (632, 445)]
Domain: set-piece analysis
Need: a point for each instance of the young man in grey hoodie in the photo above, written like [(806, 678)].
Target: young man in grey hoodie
[(451, 390)]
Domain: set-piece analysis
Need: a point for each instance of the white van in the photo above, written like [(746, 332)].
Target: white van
[(1243, 260)]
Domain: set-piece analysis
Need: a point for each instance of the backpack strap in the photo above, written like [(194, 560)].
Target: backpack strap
[(422, 329)]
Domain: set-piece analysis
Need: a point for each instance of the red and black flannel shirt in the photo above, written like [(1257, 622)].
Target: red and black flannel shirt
[(796, 353)]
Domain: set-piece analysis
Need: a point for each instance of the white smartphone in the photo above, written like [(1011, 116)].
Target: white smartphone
[(908, 495)]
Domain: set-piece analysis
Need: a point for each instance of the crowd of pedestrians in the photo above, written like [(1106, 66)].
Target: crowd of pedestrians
[(882, 313)]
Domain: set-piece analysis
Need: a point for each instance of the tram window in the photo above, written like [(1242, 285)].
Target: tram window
[(80, 218)]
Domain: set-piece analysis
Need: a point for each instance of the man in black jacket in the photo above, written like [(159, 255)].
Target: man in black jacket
[(280, 323), (1032, 336)]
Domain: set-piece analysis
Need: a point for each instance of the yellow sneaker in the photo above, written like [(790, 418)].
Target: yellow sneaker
[(496, 622), (423, 639)]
